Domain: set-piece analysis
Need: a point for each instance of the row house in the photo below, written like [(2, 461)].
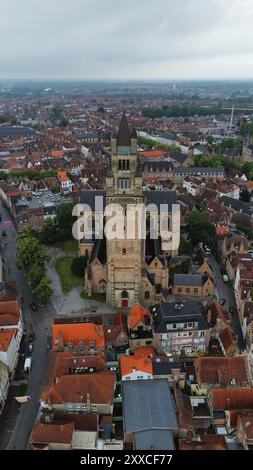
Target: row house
[(139, 327), (208, 172), (229, 242), (80, 393), (11, 331), (223, 371), (241, 212), (83, 338), (180, 327), (193, 285), (227, 404), (243, 287), (162, 170), (217, 213), (239, 261)]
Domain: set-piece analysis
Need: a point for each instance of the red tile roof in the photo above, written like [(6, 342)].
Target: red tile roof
[(152, 153), (208, 442), (60, 363), (76, 332), (137, 314), (247, 424), (74, 388), (227, 339), (9, 313), (221, 370), (128, 364), (5, 338), (59, 433), (232, 398)]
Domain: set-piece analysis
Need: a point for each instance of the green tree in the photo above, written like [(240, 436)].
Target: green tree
[(79, 265), (210, 139), (29, 252), (49, 231), (35, 275), (199, 228), (64, 219), (43, 289), (3, 175)]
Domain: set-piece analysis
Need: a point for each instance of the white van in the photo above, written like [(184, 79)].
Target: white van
[(28, 364)]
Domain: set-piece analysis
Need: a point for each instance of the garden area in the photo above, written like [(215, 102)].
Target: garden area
[(68, 279), (67, 245)]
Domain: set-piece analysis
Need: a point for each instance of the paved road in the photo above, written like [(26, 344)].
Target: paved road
[(39, 321), (226, 292)]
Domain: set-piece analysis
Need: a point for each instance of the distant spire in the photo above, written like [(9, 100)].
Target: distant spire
[(114, 134), (134, 133), (124, 135)]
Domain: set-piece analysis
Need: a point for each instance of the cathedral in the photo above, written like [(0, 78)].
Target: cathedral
[(128, 270)]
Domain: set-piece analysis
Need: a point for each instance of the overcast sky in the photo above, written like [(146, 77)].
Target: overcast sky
[(126, 39)]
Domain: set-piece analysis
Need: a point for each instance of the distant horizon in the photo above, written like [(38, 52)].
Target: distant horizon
[(124, 80)]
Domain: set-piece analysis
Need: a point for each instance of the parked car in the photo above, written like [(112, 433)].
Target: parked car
[(34, 307), (30, 348), (28, 364), (222, 301), (207, 250)]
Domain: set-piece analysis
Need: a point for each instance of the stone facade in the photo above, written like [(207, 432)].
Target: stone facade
[(128, 273)]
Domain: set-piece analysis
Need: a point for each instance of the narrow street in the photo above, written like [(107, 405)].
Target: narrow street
[(226, 291), (40, 323), (17, 433)]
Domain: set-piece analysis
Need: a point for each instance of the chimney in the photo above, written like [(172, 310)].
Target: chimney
[(88, 399)]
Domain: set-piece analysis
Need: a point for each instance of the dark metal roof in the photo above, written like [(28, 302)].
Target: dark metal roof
[(13, 131), (179, 311), (195, 170), (190, 279), (165, 367), (238, 206), (164, 196), (155, 439), (88, 196), (148, 405)]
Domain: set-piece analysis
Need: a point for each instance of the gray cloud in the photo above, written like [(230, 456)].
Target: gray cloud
[(126, 39)]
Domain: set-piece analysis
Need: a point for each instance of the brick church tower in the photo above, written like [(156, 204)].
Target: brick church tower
[(125, 257)]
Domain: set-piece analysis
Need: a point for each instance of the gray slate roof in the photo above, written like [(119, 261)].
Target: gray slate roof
[(164, 196), (190, 279), (16, 130), (154, 439), (179, 311), (87, 196), (245, 208), (195, 170), (148, 405)]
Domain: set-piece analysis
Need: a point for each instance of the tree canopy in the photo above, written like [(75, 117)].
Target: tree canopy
[(31, 257), (199, 228)]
